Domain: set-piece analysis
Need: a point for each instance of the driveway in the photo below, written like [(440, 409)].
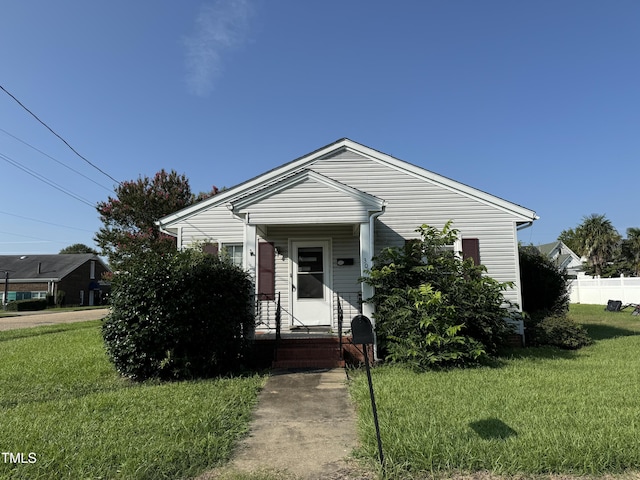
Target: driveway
[(36, 319)]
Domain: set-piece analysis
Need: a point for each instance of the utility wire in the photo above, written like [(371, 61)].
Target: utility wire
[(63, 140), (45, 180), (54, 159), (45, 240), (44, 221)]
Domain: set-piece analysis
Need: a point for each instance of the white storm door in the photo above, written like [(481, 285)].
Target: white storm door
[(311, 283)]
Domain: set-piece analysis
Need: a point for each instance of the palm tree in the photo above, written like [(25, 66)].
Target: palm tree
[(598, 240), (632, 249)]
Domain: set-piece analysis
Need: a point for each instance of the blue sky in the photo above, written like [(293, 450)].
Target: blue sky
[(535, 102)]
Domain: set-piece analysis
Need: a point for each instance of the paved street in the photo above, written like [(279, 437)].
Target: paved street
[(36, 319)]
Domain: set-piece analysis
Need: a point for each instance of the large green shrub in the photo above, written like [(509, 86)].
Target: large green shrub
[(434, 309), (545, 301), (544, 286), (180, 315)]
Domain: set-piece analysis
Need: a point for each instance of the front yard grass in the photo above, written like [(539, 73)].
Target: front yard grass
[(538, 411), (61, 399)]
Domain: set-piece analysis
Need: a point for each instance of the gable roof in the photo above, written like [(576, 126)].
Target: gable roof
[(43, 267), (561, 254), (279, 173)]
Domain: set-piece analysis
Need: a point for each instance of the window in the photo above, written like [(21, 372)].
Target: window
[(233, 252)]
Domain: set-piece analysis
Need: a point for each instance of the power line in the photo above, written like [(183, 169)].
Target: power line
[(54, 159), (44, 221), (52, 131), (31, 237), (45, 180)]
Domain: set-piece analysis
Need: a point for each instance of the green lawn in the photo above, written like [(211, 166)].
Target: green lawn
[(538, 411), (61, 400)]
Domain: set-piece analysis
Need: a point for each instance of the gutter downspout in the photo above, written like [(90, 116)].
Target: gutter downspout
[(372, 237)]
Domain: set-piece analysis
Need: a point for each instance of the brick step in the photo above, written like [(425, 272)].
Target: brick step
[(317, 363), (308, 353), (318, 353)]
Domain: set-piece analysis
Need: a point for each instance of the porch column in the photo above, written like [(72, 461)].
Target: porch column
[(365, 264), (250, 249)]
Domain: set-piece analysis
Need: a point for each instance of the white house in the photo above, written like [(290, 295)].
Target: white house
[(563, 257), (307, 230)]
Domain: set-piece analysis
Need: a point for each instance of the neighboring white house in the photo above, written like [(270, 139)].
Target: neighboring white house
[(308, 230), (563, 257)]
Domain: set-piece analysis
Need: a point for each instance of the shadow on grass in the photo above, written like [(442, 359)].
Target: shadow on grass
[(599, 331), (492, 429), (535, 353)]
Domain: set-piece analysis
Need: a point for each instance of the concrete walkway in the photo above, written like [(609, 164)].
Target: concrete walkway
[(304, 428), (37, 319)]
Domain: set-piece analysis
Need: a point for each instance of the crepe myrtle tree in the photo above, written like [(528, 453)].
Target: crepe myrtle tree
[(129, 217)]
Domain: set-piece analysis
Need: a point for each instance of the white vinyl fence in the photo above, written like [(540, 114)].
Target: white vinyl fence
[(598, 291)]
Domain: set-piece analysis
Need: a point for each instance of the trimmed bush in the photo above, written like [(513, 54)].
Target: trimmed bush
[(555, 330), (27, 305), (180, 315)]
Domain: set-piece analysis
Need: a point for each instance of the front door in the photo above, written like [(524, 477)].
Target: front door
[(310, 283)]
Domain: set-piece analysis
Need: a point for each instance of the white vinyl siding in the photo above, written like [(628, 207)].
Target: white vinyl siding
[(307, 202), (329, 204), (214, 225), (412, 201)]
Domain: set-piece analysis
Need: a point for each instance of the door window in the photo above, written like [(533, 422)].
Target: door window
[(310, 272)]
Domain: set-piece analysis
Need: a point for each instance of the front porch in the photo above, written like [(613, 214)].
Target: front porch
[(285, 341)]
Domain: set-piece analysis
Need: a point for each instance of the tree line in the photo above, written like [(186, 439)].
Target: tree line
[(607, 253)]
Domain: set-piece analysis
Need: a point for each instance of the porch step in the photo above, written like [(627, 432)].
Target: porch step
[(308, 353)]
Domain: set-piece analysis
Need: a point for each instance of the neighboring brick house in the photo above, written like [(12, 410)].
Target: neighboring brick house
[(79, 276)]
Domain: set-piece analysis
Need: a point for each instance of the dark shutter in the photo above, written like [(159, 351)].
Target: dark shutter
[(471, 249), (266, 271), (210, 248)]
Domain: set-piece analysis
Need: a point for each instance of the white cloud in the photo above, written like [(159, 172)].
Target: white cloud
[(220, 27)]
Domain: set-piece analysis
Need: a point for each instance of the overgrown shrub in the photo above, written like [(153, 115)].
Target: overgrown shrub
[(179, 315), (544, 286), (434, 309), (555, 330), (27, 305)]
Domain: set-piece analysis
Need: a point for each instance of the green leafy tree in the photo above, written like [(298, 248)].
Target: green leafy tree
[(598, 241), (631, 251), (434, 309), (129, 218), (78, 248), (570, 238)]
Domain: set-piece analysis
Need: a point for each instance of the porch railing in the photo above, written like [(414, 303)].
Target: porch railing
[(354, 305), (269, 311)]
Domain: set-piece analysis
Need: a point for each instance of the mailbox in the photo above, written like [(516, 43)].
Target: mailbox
[(362, 330)]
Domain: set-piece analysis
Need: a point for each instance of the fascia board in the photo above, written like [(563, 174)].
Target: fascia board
[(29, 280)]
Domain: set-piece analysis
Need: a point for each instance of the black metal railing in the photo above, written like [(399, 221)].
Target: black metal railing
[(354, 306)]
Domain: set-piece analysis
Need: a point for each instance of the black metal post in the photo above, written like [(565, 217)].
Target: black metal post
[(373, 404)]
